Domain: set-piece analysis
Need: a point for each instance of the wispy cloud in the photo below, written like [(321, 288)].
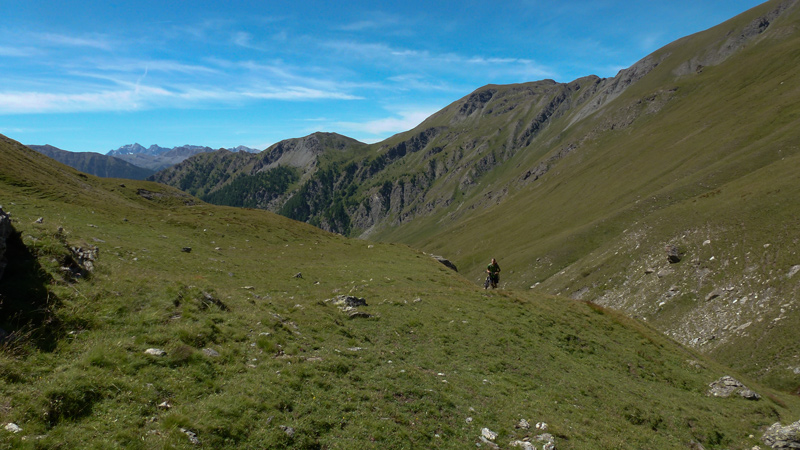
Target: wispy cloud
[(62, 40), (138, 96)]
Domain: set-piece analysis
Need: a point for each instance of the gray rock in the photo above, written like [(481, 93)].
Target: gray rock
[(288, 430), (211, 353), (523, 424), (155, 352), (191, 435), (445, 261), (793, 271), (778, 436), (546, 437), (13, 428), (489, 443), (359, 315), (348, 301), (714, 294), (674, 254), (524, 444), (664, 273), (488, 434), (727, 386)]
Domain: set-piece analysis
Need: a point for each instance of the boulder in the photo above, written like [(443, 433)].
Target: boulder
[(445, 261), (727, 386), (778, 436), (674, 254)]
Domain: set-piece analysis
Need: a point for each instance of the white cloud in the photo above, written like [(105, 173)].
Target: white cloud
[(402, 121)]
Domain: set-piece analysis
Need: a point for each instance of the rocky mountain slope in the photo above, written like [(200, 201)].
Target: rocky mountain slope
[(95, 163), (578, 188), (157, 158), (158, 321), (244, 179)]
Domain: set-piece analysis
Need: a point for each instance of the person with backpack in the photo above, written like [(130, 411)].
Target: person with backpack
[(493, 269)]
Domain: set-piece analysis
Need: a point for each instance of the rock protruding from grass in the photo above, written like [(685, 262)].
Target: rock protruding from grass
[(778, 436), (445, 261), (727, 386)]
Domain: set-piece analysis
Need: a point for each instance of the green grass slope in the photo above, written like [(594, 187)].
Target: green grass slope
[(702, 148), (436, 361)]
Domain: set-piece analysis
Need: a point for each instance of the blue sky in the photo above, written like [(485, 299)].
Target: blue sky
[(95, 75)]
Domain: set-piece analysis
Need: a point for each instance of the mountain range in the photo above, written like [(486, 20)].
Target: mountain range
[(580, 188), (129, 161)]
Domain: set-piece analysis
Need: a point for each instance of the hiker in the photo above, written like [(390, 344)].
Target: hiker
[(493, 269)]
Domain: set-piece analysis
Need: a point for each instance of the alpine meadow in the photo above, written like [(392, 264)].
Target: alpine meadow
[(647, 225)]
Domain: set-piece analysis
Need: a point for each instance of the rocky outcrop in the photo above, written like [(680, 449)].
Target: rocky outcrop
[(778, 436), (727, 386), (446, 262), (5, 232)]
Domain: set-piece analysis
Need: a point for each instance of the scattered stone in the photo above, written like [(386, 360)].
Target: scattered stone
[(347, 304), (445, 261), (649, 270), (674, 254), (488, 434), (165, 405), (706, 242), (211, 353), (524, 444), (664, 273), (186, 249), (288, 430), (541, 426), (209, 300), (84, 258), (489, 443), (40, 220), (714, 294), (155, 352), (468, 420), (523, 424), (727, 386), (299, 275), (778, 436), (750, 395), (547, 438), (793, 271), (348, 301), (12, 428), (191, 435)]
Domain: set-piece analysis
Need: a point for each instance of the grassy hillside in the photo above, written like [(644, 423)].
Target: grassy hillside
[(701, 148), (257, 358)]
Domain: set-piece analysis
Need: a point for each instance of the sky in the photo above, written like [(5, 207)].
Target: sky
[(95, 75)]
